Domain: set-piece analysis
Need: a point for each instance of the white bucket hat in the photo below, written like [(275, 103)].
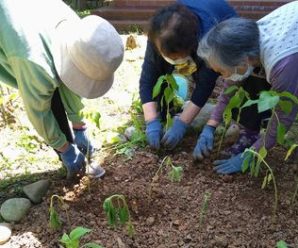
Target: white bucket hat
[(90, 51)]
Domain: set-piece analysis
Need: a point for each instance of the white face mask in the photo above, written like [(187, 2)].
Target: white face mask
[(240, 77), (177, 61)]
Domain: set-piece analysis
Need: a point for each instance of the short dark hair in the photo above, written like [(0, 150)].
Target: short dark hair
[(176, 27)]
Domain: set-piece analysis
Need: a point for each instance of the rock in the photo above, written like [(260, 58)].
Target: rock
[(232, 134), (5, 232), (202, 118), (120, 243), (129, 132), (221, 241), (150, 221), (188, 238), (36, 191), (13, 210)]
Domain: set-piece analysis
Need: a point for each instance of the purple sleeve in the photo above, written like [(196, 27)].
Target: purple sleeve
[(284, 77), (223, 100)]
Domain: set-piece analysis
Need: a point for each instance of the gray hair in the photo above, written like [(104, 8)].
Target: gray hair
[(230, 42)]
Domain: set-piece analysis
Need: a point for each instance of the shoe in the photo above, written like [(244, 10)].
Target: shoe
[(94, 170)]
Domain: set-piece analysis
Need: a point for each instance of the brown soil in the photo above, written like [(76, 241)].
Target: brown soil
[(239, 212)]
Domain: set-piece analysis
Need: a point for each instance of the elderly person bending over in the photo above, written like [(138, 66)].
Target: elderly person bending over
[(234, 48), (54, 58)]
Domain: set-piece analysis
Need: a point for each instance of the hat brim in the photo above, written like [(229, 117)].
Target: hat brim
[(77, 81)]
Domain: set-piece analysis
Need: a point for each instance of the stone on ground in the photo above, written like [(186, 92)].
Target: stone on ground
[(5, 232), (36, 191), (15, 209)]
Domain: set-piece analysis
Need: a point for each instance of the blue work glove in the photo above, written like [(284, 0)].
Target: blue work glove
[(175, 134), (82, 141), (73, 160), (232, 165), (154, 133), (204, 144)]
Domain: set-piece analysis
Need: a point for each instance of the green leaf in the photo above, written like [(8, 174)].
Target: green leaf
[(281, 131), (96, 119), (172, 82), (269, 178), (227, 116), (248, 103), (175, 174), (123, 215), (78, 232), (92, 245), (290, 151), (231, 89), (169, 95), (157, 87), (110, 211), (286, 106), (65, 239), (55, 222), (290, 96), (263, 152), (268, 100), (264, 182), (281, 244)]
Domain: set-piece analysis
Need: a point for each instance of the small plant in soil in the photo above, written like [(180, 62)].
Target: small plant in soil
[(73, 239), (204, 208), (117, 212), (175, 173), (168, 94), (281, 244), (55, 221)]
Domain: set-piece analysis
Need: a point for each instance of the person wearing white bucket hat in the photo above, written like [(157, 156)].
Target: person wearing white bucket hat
[(54, 58)]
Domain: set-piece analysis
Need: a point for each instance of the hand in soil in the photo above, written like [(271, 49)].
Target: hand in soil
[(232, 165)]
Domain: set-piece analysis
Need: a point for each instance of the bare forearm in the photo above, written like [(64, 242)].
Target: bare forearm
[(150, 112)]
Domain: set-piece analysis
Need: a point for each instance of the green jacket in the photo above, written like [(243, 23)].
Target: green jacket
[(26, 61)]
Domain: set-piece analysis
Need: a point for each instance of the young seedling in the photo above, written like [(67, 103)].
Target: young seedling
[(235, 103), (175, 173), (254, 162), (55, 222), (117, 212), (204, 208), (281, 244), (168, 94), (73, 239)]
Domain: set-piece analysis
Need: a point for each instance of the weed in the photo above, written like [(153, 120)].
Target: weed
[(254, 163), (73, 239), (117, 212), (204, 208), (55, 222)]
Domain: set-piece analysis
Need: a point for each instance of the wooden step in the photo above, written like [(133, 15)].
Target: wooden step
[(125, 13), (129, 15), (135, 26)]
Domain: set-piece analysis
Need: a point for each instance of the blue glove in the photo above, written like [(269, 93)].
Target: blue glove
[(232, 165), (82, 141), (175, 134), (204, 144), (73, 160), (154, 133)]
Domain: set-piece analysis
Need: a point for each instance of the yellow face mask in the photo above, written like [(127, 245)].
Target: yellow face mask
[(187, 68)]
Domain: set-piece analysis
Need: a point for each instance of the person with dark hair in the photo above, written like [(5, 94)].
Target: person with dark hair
[(174, 33), (237, 46)]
